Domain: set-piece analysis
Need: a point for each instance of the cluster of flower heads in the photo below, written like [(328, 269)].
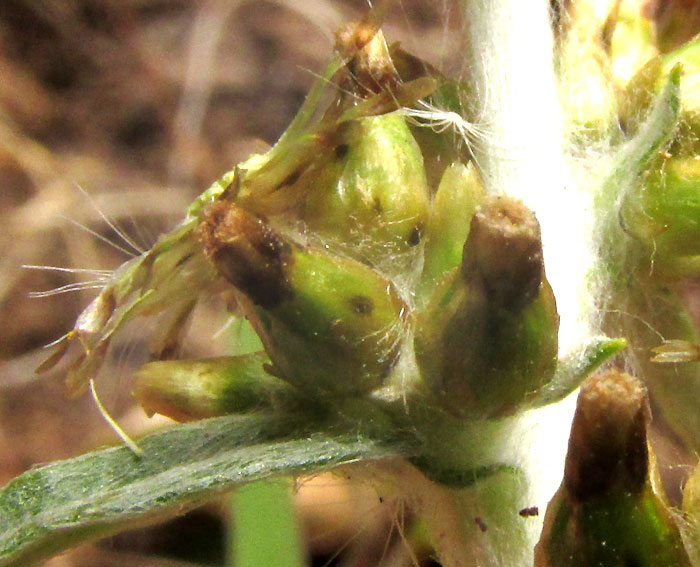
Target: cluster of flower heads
[(359, 238)]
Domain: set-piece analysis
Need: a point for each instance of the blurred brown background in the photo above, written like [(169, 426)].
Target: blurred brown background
[(130, 108)]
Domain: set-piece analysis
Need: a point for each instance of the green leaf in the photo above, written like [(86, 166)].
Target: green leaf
[(574, 369), (659, 127), (49, 509), (635, 157)]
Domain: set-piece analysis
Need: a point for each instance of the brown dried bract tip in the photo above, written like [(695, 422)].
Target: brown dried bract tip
[(369, 65), (504, 252), (608, 443), (247, 252)]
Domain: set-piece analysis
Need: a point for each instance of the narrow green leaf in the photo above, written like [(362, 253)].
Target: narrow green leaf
[(635, 157), (574, 369), (49, 509)]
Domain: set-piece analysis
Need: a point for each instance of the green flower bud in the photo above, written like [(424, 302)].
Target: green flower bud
[(645, 249), (459, 194), (383, 218), (606, 514), (369, 195), (665, 216), (196, 389), (330, 325), (488, 336)]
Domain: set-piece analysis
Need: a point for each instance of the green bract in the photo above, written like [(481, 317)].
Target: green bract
[(488, 337), (195, 389), (606, 513), (371, 198), (330, 325)]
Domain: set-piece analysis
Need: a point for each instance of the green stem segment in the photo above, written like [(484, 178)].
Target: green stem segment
[(264, 527)]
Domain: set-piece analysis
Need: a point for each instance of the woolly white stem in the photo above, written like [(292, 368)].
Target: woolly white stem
[(510, 67)]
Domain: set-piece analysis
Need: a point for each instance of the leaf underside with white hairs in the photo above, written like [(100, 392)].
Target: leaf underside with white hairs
[(49, 509)]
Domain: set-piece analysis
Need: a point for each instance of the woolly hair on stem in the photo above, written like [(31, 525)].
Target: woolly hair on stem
[(509, 63)]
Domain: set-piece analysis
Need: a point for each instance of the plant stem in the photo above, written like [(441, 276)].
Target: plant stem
[(509, 68), (509, 64), (264, 531)]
